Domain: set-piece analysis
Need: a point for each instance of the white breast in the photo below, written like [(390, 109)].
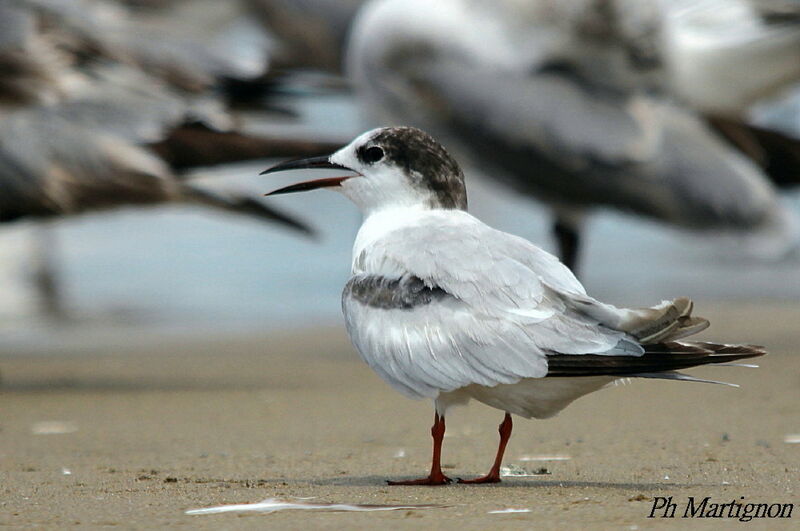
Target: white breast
[(376, 226)]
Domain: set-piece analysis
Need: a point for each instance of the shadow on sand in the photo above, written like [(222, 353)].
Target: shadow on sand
[(380, 481)]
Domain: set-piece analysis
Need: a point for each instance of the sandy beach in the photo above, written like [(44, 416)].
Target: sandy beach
[(135, 437)]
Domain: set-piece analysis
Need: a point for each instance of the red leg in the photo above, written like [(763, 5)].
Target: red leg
[(494, 474), (435, 477)]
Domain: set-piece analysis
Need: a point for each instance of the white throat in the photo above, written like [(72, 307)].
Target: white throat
[(378, 223)]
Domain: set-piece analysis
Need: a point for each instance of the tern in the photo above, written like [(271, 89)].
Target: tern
[(573, 103), (444, 307)]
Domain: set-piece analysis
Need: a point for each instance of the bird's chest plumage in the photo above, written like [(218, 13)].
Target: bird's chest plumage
[(392, 318), (396, 327), (395, 318)]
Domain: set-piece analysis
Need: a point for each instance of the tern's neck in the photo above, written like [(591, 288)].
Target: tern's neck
[(378, 223)]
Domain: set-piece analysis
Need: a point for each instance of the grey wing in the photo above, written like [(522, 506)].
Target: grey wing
[(16, 25), (186, 46), (50, 166), (32, 69), (553, 134), (124, 102), (464, 305)]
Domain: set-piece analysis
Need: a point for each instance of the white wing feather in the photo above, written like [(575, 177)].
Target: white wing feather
[(505, 310)]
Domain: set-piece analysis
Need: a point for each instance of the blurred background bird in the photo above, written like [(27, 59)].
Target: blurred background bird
[(102, 106), (311, 33), (597, 103)]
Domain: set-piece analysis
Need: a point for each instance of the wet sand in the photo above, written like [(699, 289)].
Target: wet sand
[(154, 432)]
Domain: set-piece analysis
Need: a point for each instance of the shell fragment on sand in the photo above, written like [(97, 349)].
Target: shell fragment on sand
[(271, 505), (544, 458), (509, 510), (516, 471)]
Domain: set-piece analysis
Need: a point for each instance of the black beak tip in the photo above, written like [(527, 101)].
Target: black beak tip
[(281, 166)]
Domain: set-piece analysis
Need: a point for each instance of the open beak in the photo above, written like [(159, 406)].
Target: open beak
[(322, 163)]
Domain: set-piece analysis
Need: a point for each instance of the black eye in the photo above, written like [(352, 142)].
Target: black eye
[(373, 154)]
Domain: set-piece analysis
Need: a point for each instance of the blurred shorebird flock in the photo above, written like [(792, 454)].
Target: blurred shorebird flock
[(590, 103), (684, 112)]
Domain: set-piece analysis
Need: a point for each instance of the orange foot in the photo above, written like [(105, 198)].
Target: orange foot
[(491, 478), (432, 480)]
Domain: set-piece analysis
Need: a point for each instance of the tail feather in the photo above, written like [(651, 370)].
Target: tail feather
[(657, 330), (673, 375), (777, 153), (195, 145), (658, 358), (669, 321)]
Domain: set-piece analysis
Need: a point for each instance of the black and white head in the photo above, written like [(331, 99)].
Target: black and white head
[(390, 167)]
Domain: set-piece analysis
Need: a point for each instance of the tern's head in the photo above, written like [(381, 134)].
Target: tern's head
[(391, 166)]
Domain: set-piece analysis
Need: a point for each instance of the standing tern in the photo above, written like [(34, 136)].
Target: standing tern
[(444, 307), (572, 103)]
